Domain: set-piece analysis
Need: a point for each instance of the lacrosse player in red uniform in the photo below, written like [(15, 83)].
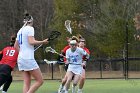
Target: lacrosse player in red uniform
[(61, 59), (82, 79), (8, 61)]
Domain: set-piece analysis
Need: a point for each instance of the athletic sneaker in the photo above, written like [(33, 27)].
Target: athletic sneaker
[(79, 91), (1, 87), (60, 89), (66, 92)]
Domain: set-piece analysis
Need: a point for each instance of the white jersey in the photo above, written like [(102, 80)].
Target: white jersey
[(26, 50), (76, 56), (75, 60)]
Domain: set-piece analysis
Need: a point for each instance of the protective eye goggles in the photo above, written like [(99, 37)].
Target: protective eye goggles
[(73, 44)]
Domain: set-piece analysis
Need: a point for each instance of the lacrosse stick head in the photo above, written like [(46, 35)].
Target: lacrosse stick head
[(49, 49), (53, 35), (68, 27), (50, 62)]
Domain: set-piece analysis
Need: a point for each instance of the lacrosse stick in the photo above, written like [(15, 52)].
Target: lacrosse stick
[(67, 25), (38, 47), (53, 35), (49, 49), (50, 62)]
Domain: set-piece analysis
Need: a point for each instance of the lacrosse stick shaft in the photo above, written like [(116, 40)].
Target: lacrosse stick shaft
[(38, 47)]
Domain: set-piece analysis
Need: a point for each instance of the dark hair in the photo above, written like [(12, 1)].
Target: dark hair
[(28, 17), (12, 41)]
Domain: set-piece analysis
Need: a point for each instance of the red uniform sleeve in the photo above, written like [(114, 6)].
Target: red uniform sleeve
[(1, 55), (64, 51), (65, 48), (87, 50)]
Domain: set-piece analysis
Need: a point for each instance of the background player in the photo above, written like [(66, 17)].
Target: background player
[(82, 45), (8, 61)]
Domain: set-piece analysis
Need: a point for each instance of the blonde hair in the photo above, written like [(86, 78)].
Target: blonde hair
[(75, 38), (79, 36)]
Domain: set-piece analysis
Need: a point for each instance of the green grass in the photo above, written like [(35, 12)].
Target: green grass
[(91, 86)]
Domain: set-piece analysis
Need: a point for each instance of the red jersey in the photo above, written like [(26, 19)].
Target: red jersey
[(65, 48), (64, 51), (86, 49), (9, 57)]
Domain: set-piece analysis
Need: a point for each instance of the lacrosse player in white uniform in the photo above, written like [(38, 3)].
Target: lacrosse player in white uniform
[(25, 42), (74, 58)]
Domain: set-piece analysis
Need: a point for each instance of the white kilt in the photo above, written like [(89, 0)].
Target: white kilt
[(27, 64), (76, 69)]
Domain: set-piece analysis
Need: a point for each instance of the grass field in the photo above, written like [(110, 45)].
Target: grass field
[(91, 86)]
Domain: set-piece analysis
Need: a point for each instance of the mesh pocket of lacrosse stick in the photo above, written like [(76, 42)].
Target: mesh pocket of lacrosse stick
[(49, 49), (53, 35), (67, 25)]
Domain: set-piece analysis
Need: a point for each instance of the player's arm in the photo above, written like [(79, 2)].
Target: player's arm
[(32, 41), (67, 57), (86, 56), (16, 45)]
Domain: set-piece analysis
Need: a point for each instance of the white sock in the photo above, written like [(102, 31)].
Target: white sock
[(61, 86), (79, 89), (73, 89)]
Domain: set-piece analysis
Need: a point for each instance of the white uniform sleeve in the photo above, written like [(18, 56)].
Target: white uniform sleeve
[(19, 32), (31, 31), (67, 53), (83, 51)]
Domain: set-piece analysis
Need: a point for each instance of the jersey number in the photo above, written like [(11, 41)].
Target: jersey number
[(74, 59), (20, 39), (10, 52)]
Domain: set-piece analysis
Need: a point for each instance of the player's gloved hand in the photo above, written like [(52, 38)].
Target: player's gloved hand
[(86, 59), (66, 67), (84, 64)]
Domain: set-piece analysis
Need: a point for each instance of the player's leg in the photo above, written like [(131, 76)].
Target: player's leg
[(62, 84), (69, 78), (82, 82), (38, 80), (27, 81), (5, 72), (75, 81), (2, 79), (63, 81), (7, 84)]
